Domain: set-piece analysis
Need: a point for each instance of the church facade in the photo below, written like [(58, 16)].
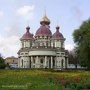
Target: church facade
[(44, 49)]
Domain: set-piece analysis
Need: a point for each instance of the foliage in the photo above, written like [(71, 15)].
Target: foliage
[(73, 58), (43, 80), (81, 37), (2, 63)]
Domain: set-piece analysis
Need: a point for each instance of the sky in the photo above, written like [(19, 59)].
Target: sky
[(15, 15)]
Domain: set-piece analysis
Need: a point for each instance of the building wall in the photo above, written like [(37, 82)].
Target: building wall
[(12, 61), (24, 62), (42, 52), (50, 56), (38, 59)]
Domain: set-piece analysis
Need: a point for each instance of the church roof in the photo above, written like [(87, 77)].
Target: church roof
[(27, 35), (43, 31), (57, 34)]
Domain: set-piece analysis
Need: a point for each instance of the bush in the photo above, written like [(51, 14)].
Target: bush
[(2, 63)]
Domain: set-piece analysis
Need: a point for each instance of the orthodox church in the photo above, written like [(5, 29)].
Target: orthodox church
[(44, 49)]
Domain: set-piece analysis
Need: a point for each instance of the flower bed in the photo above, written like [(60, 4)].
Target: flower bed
[(44, 80)]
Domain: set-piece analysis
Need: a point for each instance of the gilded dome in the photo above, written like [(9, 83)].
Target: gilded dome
[(45, 20)]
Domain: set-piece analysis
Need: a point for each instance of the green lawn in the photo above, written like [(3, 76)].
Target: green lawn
[(44, 80)]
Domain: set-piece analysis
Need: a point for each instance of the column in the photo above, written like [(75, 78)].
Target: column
[(55, 61), (18, 62), (64, 62), (51, 62), (45, 64), (56, 64), (37, 63)]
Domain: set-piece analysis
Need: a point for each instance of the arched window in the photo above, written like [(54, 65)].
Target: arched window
[(62, 63), (49, 63), (41, 61), (53, 62)]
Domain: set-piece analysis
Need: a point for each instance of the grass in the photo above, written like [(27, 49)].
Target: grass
[(43, 80)]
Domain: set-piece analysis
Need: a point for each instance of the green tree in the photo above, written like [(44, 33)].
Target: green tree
[(73, 57), (81, 37), (2, 63)]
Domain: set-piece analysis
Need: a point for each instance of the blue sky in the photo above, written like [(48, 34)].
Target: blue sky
[(15, 15)]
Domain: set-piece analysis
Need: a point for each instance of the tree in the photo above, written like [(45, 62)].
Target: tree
[(73, 57), (2, 63), (81, 37)]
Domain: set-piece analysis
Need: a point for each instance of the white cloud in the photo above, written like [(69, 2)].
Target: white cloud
[(69, 47), (12, 30), (26, 12), (1, 14), (9, 46), (77, 13), (23, 11)]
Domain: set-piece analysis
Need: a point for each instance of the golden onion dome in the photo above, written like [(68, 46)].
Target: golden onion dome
[(45, 20)]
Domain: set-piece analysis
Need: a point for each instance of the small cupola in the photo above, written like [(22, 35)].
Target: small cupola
[(27, 35), (57, 34)]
